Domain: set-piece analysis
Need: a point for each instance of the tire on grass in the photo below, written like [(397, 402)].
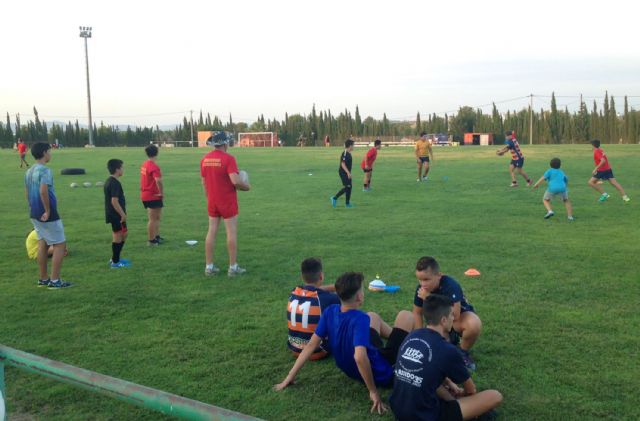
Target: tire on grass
[(72, 171)]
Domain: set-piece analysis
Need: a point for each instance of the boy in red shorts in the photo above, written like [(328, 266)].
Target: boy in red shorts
[(220, 180), (603, 171)]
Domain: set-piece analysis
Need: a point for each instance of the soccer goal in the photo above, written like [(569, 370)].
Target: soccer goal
[(258, 139)]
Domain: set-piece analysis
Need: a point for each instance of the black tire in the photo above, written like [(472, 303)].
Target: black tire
[(72, 171)]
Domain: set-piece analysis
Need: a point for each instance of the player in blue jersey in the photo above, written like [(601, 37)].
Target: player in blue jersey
[(355, 339), (43, 206), (517, 158), (557, 186), (306, 303), (429, 369), (467, 326)]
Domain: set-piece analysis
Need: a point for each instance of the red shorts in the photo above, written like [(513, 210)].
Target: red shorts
[(224, 211)]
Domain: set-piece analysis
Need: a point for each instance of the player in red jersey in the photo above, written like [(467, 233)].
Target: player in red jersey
[(603, 171), (367, 164), (22, 151), (151, 193), (220, 180)]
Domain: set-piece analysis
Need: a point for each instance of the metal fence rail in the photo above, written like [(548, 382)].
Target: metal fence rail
[(136, 394)]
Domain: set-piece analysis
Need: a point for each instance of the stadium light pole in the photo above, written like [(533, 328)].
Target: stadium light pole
[(85, 32)]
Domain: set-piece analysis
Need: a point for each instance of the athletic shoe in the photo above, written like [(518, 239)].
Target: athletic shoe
[(571, 218), (159, 239), (118, 265), (603, 197), (514, 184), (626, 199), (366, 190), (214, 270), (549, 215), (125, 261), (59, 284), (425, 178), (334, 201), (529, 183), (349, 205), (237, 270), (468, 361), (418, 180), (153, 243), (44, 282)]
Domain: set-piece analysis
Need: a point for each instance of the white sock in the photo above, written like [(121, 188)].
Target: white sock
[(209, 266)]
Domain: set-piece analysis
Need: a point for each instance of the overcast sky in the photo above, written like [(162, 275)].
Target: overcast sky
[(151, 62)]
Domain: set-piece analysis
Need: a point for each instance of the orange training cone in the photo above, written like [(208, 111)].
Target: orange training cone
[(472, 272)]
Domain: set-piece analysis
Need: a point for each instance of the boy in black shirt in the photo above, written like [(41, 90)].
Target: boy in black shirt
[(115, 212), (345, 175)]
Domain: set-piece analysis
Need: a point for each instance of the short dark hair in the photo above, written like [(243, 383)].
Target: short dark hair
[(596, 143), (311, 269), (377, 142), (113, 165), (435, 307), (348, 284), (423, 134), (509, 133), (427, 262), (348, 143), (39, 149), (151, 150), (555, 163)]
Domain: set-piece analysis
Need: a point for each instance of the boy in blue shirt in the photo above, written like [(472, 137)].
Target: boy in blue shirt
[(355, 339), (557, 186), (467, 326), (429, 369)]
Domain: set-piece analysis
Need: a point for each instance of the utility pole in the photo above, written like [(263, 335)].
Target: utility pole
[(191, 128), (85, 32), (530, 119)]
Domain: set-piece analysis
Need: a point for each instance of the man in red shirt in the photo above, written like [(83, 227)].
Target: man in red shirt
[(220, 180), (367, 164), (603, 171), (22, 150), (151, 194)]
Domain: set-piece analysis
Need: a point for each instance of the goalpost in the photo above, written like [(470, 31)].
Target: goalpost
[(258, 139)]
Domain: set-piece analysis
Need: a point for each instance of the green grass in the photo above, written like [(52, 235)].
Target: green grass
[(558, 300)]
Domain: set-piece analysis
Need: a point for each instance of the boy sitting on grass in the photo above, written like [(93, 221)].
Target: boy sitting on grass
[(355, 340), (306, 303), (557, 186)]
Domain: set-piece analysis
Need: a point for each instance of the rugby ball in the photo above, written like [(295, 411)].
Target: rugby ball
[(86, 184), (244, 176), (73, 185)]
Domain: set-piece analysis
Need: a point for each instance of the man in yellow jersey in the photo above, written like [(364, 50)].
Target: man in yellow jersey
[(424, 155)]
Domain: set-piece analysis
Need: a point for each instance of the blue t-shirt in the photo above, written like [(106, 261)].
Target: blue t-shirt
[(37, 175), (557, 180), (424, 360), (449, 287), (346, 331)]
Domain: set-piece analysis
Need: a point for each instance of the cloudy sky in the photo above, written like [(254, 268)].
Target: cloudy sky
[(152, 62)]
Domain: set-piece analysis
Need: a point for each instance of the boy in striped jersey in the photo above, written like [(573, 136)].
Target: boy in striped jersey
[(306, 304), (517, 158)]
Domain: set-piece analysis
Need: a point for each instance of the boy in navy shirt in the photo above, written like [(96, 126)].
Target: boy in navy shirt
[(428, 370), (306, 303), (344, 171), (557, 181), (355, 340), (466, 323)]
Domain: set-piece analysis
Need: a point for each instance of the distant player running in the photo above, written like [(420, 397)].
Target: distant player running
[(367, 164), (517, 158), (22, 151), (424, 155), (603, 171)]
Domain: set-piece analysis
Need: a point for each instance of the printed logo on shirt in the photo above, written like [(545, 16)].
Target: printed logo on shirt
[(407, 377), (211, 162), (412, 354)]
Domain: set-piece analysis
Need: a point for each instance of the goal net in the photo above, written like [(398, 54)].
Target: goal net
[(258, 139)]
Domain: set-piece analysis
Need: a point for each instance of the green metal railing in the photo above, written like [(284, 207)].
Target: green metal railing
[(143, 396)]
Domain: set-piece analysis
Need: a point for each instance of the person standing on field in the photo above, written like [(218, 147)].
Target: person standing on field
[(22, 151), (603, 171), (367, 164), (424, 155), (221, 180), (152, 194), (517, 158)]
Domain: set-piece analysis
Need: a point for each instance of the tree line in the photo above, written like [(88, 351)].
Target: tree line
[(552, 126)]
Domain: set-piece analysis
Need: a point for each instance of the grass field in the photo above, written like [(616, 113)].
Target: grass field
[(558, 300)]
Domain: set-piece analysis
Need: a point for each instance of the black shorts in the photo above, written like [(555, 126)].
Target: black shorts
[(367, 170), (450, 411), (424, 159), (117, 226), (389, 351), (346, 181), (604, 175), (153, 204)]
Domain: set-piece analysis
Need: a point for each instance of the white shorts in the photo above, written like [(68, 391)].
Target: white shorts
[(51, 232)]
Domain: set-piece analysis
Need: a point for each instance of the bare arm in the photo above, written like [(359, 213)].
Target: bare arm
[(535, 186), (431, 153), (44, 196), (469, 387), (456, 311), (160, 186), (364, 367), (417, 317), (118, 208), (237, 182), (502, 150), (314, 342), (601, 163)]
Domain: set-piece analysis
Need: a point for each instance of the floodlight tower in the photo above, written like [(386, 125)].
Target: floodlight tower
[(85, 32)]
